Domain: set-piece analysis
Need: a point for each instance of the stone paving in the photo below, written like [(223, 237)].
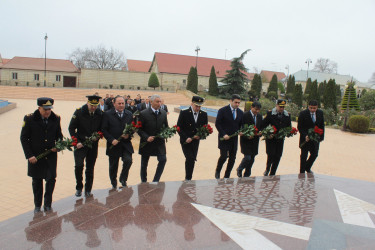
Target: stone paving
[(342, 154)]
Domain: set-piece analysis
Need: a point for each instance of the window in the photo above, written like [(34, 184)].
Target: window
[(58, 78), (14, 76), (36, 77)]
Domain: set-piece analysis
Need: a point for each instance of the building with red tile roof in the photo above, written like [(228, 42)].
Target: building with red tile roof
[(267, 75), (138, 65), (30, 63)]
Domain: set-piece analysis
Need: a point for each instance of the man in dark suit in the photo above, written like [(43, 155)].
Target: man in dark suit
[(114, 122), (153, 120), (279, 118), (85, 121), (189, 121), (145, 105), (309, 118), (228, 122), (163, 106), (39, 133), (102, 106), (250, 145)]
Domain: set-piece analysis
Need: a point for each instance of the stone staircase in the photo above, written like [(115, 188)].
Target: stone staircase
[(73, 94)]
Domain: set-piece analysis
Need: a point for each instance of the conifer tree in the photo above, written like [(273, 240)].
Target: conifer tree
[(290, 85), (153, 81), (350, 101), (212, 83), (273, 84), (192, 81), (256, 85), (314, 95), (330, 95), (297, 95), (308, 87)]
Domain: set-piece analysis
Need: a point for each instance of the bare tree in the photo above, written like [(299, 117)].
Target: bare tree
[(98, 58), (325, 65)]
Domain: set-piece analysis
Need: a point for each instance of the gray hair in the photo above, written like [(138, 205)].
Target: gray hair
[(153, 97)]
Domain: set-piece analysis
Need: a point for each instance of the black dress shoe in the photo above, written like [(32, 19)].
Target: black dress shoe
[(87, 194), (36, 210), (114, 187), (123, 183), (78, 193), (47, 208), (239, 173), (266, 173), (309, 171), (217, 175)]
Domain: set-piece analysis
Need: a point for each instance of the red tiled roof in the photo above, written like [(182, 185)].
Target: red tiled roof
[(267, 75), (38, 64), (4, 61), (139, 66), (181, 64)]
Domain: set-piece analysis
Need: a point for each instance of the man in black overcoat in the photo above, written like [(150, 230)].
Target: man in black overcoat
[(189, 120), (228, 122), (113, 125), (309, 118), (279, 118), (153, 120), (39, 133), (250, 145), (85, 121)]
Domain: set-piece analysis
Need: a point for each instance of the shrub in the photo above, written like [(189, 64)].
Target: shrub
[(359, 123), (110, 86), (330, 116), (294, 110), (266, 105), (122, 86), (248, 106), (272, 94)]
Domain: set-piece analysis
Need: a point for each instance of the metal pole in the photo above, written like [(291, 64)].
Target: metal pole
[(45, 58)]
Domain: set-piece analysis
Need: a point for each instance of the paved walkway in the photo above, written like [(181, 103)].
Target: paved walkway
[(341, 154)]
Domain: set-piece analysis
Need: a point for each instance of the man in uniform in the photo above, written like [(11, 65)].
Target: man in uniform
[(39, 133), (85, 121), (279, 118), (153, 120), (228, 122), (189, 121), (250, 145), (309, 118), (113, 125)]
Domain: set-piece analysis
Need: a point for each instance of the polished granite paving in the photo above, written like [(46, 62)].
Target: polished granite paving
[(280, 212)]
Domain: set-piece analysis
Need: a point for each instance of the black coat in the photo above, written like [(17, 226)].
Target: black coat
[(82, 125), (250, 146), (227, 126), (151, 126), (186, 122), (112, 128), (305, 123), (132, 109), (37, 138), (165, 107), (142, 106)]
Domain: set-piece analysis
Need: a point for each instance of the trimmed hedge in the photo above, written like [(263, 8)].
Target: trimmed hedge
[(359, 123)]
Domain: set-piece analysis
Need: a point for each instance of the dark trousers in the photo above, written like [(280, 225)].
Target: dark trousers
[(306, 164), (190, 151), (37, 184), (113, 167), (274, 149), (162, 159), (224, 154), (246, 163), (90, 154)]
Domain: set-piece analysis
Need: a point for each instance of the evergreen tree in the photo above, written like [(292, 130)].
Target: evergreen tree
[(235, 77), (272, 88), (256, 86), (297, 95), (212, 86), (321, 89), (290, 85), (308, 87), (364, 91), (280, 87), (153, 81), (350, 101), (330, 95), (192, 81), (314, 95)]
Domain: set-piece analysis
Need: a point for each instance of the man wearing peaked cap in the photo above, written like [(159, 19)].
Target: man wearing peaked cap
[(189, 121), (85, 121), (279, 118), (39, 133)]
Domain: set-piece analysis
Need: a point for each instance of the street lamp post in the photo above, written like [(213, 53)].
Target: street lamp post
[(45, 58), (308, 61), (196, 62)]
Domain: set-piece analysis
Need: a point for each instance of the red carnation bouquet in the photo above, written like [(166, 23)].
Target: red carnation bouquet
[(165, 133), (249, 130), (286, 132), (129, 129), (61, 144), (203, 132), (269, 132), (91, 139), (314, 134)]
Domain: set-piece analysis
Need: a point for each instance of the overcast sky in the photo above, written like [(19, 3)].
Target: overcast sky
[(279, 32)]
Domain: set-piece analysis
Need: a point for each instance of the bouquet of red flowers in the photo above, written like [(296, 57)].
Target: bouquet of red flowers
[(314, 134), (129, 129), (286, 132), (203, 132), (61, 144), (164, 133), (269, 132), (249, 130), (93, 138)]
